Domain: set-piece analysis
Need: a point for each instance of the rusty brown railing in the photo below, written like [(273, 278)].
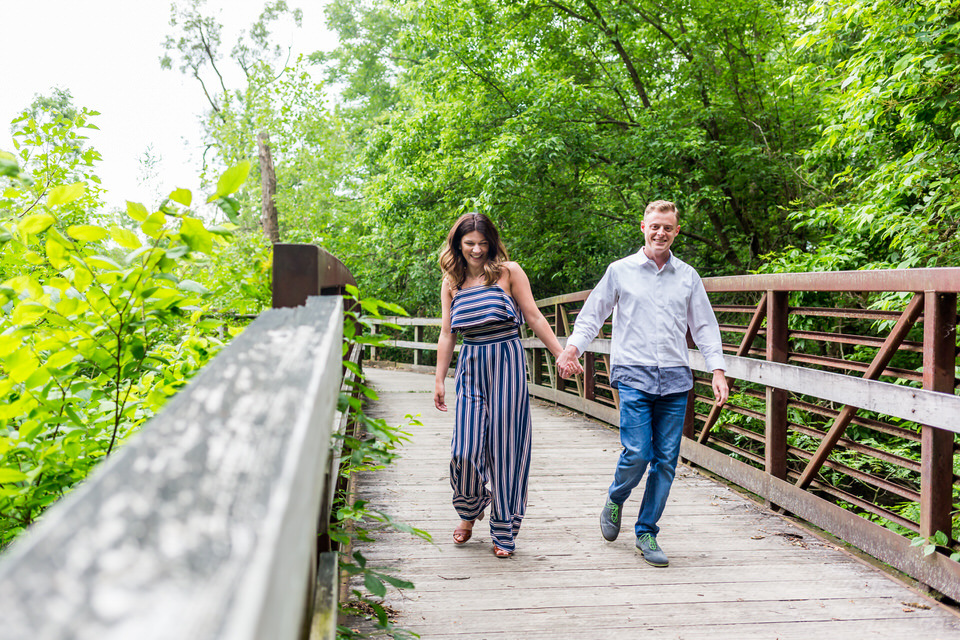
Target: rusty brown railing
[(844, 407)]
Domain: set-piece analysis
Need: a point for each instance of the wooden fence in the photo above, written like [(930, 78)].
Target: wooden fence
[(843, 410), (205, 524)]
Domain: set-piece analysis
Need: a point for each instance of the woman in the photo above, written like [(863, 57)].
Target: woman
[(485, 298)]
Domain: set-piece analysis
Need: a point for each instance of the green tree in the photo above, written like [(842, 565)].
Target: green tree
[(562, 120), (887, 162)]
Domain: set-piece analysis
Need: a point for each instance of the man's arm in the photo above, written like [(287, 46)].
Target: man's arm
[(706, 334), (595, 310)]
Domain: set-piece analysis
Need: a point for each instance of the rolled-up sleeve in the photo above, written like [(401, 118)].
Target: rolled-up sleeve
[(704, 328), (595, 310)]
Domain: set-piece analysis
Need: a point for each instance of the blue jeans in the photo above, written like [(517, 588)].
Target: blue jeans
[(651, 427)]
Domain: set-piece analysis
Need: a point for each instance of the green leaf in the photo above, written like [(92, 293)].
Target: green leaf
[(57, 254), (103, 262), (65, 194), (231, 208), (8, 165), (86, 233), (124, 237), (154, 223), (182, 196), (195, 235), (231, 180), (27, 312), (374, 585), (137, 211), (36, 223), (11, 475), (193, 287), (397, 582)]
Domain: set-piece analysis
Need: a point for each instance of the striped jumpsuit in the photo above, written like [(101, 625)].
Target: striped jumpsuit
[(491, 436)]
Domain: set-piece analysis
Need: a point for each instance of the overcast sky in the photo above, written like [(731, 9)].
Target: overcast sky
[(106, 52)]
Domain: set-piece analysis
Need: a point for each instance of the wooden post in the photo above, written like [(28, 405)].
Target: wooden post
[(776, 414), (418, 337), (536, 371), (373, 349), (690, 417), (936, 457), (558, 383), (268, 189), (589, 375)]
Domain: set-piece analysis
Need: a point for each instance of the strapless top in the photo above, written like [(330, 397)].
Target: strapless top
[(485, 313)]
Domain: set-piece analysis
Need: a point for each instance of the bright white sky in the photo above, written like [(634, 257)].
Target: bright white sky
[(107, 52)]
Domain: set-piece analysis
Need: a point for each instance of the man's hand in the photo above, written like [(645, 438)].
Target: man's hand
[(720, 389), (567, 362), (439, 391)]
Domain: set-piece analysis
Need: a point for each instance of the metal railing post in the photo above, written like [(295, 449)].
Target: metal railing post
[(936, 457), (775, 455)]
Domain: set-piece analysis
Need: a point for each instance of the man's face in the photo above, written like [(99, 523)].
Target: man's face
[(660, 229)]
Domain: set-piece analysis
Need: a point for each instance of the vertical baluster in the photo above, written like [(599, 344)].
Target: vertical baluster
[(936, 458), (776, 414), (418, 337)]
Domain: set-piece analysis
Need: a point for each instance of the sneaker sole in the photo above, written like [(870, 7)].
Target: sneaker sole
[(652, 564)]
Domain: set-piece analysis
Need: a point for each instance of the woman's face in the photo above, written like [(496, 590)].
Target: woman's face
[(475, 248)]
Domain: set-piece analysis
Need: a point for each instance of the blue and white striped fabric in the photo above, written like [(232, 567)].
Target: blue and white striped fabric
[(492, 435)]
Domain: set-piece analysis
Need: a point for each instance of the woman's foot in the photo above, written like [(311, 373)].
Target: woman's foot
[(465, 531), (501, 553)]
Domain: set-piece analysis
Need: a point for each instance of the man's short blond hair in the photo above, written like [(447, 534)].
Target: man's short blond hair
[(663, 206)]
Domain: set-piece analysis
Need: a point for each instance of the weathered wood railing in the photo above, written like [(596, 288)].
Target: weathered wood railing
[(205, 524), (821, 377)]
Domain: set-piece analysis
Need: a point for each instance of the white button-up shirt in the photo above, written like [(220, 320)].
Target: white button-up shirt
[(652, 309)]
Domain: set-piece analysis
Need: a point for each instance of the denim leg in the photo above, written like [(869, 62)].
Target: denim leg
[(636, 409), (667, 431)]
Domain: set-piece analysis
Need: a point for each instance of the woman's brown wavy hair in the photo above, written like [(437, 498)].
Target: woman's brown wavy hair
[(452, 262)]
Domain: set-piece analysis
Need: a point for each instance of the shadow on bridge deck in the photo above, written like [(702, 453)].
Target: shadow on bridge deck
[(736, 570)]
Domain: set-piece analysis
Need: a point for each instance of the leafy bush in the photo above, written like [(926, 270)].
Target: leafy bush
[(99, 324)]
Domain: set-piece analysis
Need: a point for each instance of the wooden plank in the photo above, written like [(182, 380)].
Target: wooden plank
[(203, 525), (936, 570)]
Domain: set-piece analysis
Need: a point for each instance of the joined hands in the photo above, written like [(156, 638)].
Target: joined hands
[(568, 362)]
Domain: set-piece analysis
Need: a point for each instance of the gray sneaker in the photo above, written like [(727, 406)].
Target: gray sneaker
[(652, 552), (610, 520)]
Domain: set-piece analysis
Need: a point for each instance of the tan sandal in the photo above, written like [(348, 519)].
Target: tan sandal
[(501, 553), (460, 536)]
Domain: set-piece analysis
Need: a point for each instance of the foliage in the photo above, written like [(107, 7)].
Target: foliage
[(930, 545), (98, 323), (562, 120), (312, 156), (371, 446), (887, 163)]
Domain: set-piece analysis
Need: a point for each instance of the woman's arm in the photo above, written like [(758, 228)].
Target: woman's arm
[(444, 347), (519, 288)]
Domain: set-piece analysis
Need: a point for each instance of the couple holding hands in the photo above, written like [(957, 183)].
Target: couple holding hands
[(654, 297)]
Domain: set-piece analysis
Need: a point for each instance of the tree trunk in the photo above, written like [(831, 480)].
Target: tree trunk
[(268, 188)]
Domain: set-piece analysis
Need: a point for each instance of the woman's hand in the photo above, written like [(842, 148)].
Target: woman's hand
[(568, 362), (439, 391)]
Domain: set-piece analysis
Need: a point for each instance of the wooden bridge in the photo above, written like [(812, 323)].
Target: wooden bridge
[(205, 525)]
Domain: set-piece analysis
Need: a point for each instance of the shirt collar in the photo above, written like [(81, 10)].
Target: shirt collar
[(644, 259)]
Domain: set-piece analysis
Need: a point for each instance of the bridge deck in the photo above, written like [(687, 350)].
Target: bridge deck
[(736, 570)]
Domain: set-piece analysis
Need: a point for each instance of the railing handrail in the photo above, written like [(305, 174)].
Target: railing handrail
[(204, 524)]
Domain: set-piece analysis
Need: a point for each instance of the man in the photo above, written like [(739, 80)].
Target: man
[(654, 297)]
